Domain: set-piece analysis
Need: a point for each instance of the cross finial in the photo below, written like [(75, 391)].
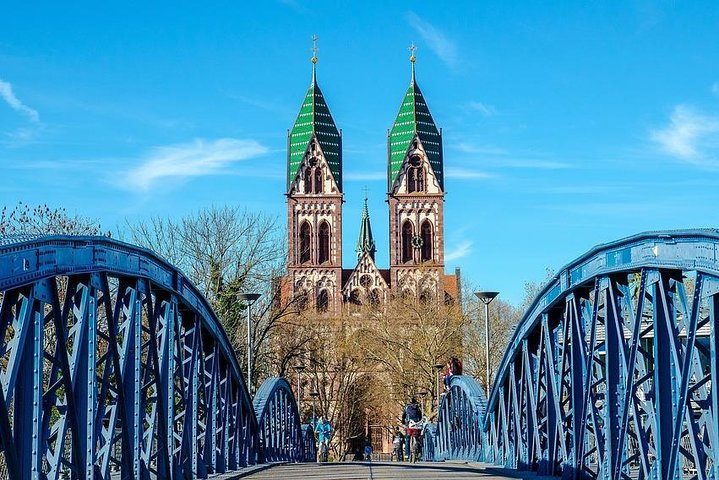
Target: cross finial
[(314, 48), (365, 190), (412, 49)]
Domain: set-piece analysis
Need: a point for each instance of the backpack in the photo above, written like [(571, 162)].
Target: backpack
[(413, 412)]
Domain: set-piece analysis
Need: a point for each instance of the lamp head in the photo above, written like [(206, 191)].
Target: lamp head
[(486, 297)]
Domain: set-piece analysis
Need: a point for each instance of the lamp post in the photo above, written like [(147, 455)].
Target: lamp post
[(299, 368), (314, 396), (249, 299), (438, 366), (486, 298)]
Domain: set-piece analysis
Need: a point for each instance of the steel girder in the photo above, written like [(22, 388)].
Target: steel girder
[(309, 443), (458, 433), (112, 363), (612, 372), (280, 433)]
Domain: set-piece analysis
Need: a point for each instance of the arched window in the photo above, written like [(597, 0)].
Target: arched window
[(305, 236), (373, 297), (323, 301), (308, 180), (407, 234), (324, 243), (318, 180), (415, 174), (426, 233), (355, 297)]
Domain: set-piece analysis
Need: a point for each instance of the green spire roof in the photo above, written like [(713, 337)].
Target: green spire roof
[(414, 119), (314, 119), (365, 242)]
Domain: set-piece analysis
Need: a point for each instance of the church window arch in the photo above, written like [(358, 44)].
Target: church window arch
[(323, 301), (406, 241), (305, 241), (426, 234), (373, 297), (324, 243), (308, 180), (415, 175), (356, 297), (318, 179)]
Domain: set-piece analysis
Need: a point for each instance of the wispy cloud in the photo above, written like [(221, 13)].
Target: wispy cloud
[(690, 136), (483, 108), (8, 95), (466, 174), (195, 159), (436, 40), (460, 251)]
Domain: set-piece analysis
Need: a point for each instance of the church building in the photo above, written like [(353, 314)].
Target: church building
[(415, 196)]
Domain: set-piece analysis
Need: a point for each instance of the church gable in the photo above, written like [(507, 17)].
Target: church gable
[(314, 175), (365, 282), (416, 174)]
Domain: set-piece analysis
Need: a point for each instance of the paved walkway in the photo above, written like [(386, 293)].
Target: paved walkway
[(388, 471)]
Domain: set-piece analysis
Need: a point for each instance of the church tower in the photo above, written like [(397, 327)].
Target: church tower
[(416, 198), (314, 204)]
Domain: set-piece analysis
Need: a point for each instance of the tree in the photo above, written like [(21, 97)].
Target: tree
[(226, 251), (43, 220)]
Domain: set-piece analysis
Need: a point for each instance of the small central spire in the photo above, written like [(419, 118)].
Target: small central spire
[(412, 57), (365, 242), (314, 51)]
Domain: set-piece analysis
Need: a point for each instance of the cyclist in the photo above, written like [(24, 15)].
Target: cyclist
[(412, 418)]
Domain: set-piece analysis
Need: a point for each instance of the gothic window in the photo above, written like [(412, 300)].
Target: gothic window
[(318, 179), (308, 180), (301, 299), (415, 175), (426, 232), (373, 297), (323, 301), (355, 297), (407, 235), (324, 243), (305, 235)]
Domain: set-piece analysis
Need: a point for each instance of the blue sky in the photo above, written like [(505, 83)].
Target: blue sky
[(566, 124)]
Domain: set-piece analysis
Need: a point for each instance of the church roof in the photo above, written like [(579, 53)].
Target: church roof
[(314, 119), (414, 119), (365, 242)]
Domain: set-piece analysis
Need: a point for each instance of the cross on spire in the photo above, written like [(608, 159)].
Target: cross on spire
[(314, 48), (412, 48)]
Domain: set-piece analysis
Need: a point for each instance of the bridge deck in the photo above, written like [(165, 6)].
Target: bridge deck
[(388, 471)]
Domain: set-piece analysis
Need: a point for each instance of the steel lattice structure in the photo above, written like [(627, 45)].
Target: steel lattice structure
[(112, 363), (458, 432), (611, 373), (280, 432)]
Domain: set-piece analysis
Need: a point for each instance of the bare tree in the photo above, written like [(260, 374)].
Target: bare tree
[(41, 219)]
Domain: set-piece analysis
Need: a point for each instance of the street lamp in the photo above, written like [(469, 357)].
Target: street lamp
[(249, 299), (314, 396), (486, 298), (299, 368)]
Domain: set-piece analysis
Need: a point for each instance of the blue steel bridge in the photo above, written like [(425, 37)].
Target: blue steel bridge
[(113, 365)]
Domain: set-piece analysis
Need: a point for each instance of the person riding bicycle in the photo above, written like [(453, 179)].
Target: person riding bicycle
[(412, 418), (398, 444), (413, 411), (323, 429)]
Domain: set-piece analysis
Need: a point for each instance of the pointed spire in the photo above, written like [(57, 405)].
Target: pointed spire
[(414, 121), (315, 120), (365, 242)]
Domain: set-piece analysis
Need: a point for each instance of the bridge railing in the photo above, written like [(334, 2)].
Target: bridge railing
[(112, 363)]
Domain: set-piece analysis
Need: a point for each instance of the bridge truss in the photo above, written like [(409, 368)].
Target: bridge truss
[(612, 372), (112, 363)]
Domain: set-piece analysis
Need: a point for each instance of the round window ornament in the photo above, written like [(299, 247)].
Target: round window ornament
[(417, 241)]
